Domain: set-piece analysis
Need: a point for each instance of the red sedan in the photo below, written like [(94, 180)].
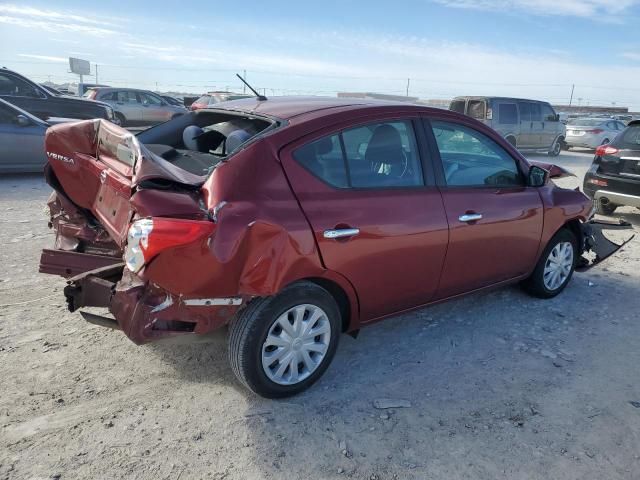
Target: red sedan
[(292, 220)]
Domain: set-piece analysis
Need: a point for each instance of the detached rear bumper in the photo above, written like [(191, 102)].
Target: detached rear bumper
[(597, 247), (144, 312)]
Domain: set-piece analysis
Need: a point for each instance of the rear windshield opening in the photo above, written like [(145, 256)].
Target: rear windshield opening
[(476, 109), (630, 139), (198, 141)]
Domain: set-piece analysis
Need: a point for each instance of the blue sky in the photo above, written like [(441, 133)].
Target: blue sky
[(530, 48)]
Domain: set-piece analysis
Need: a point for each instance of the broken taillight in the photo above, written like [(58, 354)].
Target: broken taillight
[(148, 237)]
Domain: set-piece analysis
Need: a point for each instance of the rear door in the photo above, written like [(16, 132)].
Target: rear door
[(376, 214), (128, 103), (495, 220)]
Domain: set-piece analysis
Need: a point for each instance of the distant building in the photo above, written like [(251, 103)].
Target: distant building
[(378, 96), (590, 109)]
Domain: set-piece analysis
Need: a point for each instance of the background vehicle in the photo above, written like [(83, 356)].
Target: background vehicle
[(22, 140), (31, 97), (136, 107), (82, 88), (614, 177), (592, 132), (526, 124), (208, 100), (359, 224)]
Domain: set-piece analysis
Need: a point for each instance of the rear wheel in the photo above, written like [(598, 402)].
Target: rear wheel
[(605, 208), (119, 119), (555, 267), (279, 346)]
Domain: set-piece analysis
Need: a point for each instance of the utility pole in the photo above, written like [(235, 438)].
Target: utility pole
[(244, 87), (408, 81), (97, 82), (571, 98)]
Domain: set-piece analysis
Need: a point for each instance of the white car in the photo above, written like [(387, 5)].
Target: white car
[(592, 132)]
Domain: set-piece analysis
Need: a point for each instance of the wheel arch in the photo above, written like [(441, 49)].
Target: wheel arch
[(511, 138)]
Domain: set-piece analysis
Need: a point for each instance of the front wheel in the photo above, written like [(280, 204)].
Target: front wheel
[(556, 148), (555, 267), (279, 346)]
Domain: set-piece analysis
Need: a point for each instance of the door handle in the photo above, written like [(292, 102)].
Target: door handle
[(341, 233), (470, 217)]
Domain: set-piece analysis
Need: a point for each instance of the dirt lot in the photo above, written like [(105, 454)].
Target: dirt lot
[(500, 385)]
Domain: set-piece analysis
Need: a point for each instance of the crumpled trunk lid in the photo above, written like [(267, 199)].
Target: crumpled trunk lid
[(98, 166)]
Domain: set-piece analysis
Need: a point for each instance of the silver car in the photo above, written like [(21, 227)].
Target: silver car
[(592, 132), (22, 139), (136, 107)]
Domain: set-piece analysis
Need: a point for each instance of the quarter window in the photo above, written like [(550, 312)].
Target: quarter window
[(471, 159), (372, 156)]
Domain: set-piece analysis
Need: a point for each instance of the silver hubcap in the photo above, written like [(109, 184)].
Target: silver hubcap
[(296, 344), (558, 266)]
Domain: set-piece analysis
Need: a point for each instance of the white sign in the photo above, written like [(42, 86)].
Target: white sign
[(79, 66)]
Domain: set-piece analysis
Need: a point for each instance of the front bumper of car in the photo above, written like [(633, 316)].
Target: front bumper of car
[(596, 247)]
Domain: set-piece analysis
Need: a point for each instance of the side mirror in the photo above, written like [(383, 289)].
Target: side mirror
[(537, 176), (23, 121)]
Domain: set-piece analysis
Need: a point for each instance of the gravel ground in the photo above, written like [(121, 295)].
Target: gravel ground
[(497, 385)]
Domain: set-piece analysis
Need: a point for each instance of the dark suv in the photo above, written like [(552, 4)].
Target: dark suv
[(43, 103), (614, 177)]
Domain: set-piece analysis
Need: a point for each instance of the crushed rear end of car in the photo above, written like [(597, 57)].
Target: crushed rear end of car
[(136, 233)]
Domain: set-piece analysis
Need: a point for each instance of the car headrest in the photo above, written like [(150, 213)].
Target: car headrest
[(385, 146), (235, 139), (189, 137)]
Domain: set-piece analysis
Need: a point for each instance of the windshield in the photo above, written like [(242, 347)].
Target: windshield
[(585, 122)]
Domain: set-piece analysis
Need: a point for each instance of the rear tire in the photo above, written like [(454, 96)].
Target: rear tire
[(119, 119), (253, 358), (605, 209), (555, 266)]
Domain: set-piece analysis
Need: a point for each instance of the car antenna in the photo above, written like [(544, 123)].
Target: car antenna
[(261, 98)]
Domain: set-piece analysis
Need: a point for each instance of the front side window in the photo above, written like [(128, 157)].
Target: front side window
[(150, 99), (471, 159), (548, 115), (376, 155), (15, 87), (507, 114)]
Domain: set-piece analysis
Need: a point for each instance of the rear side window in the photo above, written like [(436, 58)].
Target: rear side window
[(536, 112), (507, 114), (457, 106), (377, 155), (471, 159), (629, 139), (477, 109)]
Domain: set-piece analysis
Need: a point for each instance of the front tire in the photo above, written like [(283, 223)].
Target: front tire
[(556, 148), (279, 346), (555, 267), (119, 119)]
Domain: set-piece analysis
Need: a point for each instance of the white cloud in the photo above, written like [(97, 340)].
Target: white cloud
[(603, 9), (30, 12), (56, 26), (631, 56), (44, 57)]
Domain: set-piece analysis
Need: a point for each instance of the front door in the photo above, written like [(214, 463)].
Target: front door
[(495, 220), (153, 110), (375, 219)]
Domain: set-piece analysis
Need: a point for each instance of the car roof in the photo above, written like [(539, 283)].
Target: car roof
[(292, 106), (486, 97)]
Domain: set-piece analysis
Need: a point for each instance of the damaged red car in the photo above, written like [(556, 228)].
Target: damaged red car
[(293, 220)]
